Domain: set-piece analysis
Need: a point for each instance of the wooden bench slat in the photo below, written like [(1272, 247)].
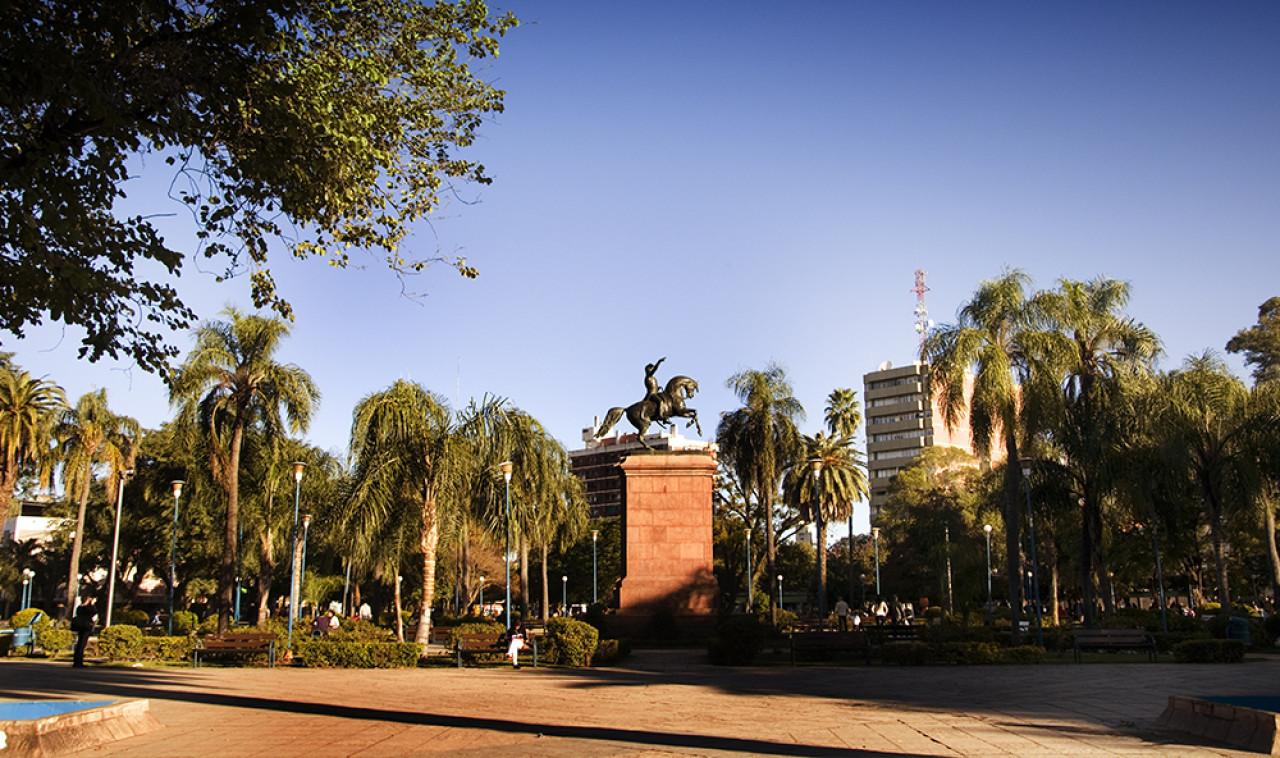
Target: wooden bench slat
[(235, 643), (1114, 639)]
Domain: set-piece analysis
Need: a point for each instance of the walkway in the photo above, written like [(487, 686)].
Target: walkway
[(661, 703)]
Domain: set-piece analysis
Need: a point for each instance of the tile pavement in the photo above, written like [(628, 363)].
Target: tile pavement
[(659, 704)]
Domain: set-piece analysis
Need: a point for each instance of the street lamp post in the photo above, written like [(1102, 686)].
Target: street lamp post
[(862, 587), (750, 598), (986, 529), (302, 570), (298, 466), (115, 546), (506, 531), (875, 538), (482, 594), (815, 467), (779, 590), (595, 581), (1031, 528), (946, 535), (564, 595), (173, 550), (28, 585), (1164, 617)]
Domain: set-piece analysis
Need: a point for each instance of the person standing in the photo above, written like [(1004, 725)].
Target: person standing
[(82, 624), (880, 610), (842, 615)]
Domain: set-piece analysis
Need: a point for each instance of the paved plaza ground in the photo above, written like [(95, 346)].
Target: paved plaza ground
[(658, 703)]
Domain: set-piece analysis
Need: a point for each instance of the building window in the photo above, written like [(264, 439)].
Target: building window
[(908, 453), (907, 435)]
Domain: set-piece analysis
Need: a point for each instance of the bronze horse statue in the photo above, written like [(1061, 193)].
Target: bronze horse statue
[(657, 406)]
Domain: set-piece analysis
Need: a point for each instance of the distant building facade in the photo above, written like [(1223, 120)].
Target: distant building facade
[(903, 419), (31, 523)]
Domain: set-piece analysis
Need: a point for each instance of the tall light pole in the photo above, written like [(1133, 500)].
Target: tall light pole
[(1031, 528), (28, 584), (595, 572), (482, 594), (173, 550), (779, 593), (564, 595), (750, 599), (506, 530), (298, 466), (875, 538), (302, 570), (986, 529), (946, 535), (815, 467), (115, 546)]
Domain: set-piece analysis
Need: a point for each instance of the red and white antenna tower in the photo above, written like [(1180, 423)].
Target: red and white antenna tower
[(923, 324)]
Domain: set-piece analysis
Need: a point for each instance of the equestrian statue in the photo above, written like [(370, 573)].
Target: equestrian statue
[(658, 405)]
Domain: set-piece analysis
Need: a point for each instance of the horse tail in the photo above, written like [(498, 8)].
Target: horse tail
[(610, 419)]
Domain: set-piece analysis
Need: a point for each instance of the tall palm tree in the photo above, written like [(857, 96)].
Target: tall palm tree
[(229, 382), (982, 367), (760, 439), (89, 434), (403, 448), (1096, 348), (1201, 427), (841, 480), (29, 409)]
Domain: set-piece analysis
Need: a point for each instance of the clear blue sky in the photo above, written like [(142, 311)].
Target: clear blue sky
[(727, 183)]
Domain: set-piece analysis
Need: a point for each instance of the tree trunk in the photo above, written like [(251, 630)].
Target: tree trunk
[(1274, 555), (546, 595), (266, 566), (73, 576), (524, 578), (230, 543), (430, 541), (1013, 530), (1052, 558), (822, 570)]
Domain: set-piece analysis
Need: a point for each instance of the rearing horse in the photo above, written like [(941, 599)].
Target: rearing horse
[(669, 404)]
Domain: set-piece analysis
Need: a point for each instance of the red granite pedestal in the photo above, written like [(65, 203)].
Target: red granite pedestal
[(666, 552)]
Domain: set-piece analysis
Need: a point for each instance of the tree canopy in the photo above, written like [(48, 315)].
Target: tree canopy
[(315, 125)]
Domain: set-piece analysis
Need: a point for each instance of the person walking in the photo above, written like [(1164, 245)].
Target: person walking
[(880, 610), (82, 624), (842, 615)]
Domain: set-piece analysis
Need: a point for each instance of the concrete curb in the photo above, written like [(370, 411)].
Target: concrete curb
[(1241, 727), (76, 730)]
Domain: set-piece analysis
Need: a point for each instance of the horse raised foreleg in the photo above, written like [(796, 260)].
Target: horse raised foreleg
[(693, 421)]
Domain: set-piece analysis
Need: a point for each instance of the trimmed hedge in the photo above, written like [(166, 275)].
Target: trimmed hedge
[(1209, 651), (23, 618), (1023, 654), (120, 642), (357, 655), (52, 641), (609, 652), (908, 653), (570, 642), (738, 640)]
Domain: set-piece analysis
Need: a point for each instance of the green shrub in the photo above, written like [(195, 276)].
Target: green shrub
[(1166, 642), (120, 642), (1023, 654), (956, 633), (786, 620), (138, 618), (1207, 609), (478, 627), (23, 618), (933, 612), (166, 648), (971, 653), (210, 624), (53, 640), (1209, 651), (609, 652), (185, 622), (570, 642), (738, 640), (908, 653), (357, 655), (360, 630)]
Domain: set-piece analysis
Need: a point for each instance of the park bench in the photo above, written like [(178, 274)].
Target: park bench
[(482, 643), (830, 642), (893, 633), (1114, 639), (235, 643)]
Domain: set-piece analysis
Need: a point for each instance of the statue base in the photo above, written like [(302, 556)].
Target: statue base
[(668, 587)]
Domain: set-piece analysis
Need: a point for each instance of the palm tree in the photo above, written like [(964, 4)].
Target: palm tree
[(840, 481), (403, 446), (29, 408), (982, 366), (1095, 348), (230, 382), (90, 434), (760, 440), (1201, 429)]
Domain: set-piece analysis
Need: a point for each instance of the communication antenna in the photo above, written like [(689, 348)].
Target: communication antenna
[(923, 324)]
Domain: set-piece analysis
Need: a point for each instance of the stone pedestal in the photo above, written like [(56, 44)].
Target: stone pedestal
[(667, 563)]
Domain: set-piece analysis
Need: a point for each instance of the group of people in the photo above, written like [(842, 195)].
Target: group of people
[(881, 612)]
